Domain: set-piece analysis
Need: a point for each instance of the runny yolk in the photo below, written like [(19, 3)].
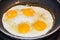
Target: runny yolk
[(39, 25), (23, 28), (28, 12), (11, 14)]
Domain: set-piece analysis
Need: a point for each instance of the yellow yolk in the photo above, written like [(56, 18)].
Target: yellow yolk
[(11, 14), (28, 12), (23, 28), (39, 25)]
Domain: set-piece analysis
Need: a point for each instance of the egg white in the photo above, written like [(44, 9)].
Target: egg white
[(10, 26)]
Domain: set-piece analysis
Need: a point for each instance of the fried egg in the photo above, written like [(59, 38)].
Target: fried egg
[(27, 21)]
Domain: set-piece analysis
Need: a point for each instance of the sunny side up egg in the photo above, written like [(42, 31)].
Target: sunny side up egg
[(27, 21)]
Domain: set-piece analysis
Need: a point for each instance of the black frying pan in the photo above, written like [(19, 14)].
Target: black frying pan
[(47, 4)]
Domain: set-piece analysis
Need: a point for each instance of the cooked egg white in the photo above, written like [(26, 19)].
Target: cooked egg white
[(27, 21)]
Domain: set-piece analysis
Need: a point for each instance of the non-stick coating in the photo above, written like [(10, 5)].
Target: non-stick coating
[(55, 9)]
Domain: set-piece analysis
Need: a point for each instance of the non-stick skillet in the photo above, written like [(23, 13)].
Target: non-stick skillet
[(50, 6)]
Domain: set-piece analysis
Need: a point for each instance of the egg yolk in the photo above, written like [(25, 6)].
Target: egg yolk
[(11, 14), (39, 25), (23, 28), (28, 12)]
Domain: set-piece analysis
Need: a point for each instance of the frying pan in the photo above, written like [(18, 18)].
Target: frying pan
[(47, 4)]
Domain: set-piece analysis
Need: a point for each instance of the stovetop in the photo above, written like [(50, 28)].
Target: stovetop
[(54, 36)]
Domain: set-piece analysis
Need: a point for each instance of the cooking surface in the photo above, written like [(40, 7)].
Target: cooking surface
[(51, 3)]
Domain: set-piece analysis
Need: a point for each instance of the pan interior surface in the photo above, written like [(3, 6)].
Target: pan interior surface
[(28, 6)]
